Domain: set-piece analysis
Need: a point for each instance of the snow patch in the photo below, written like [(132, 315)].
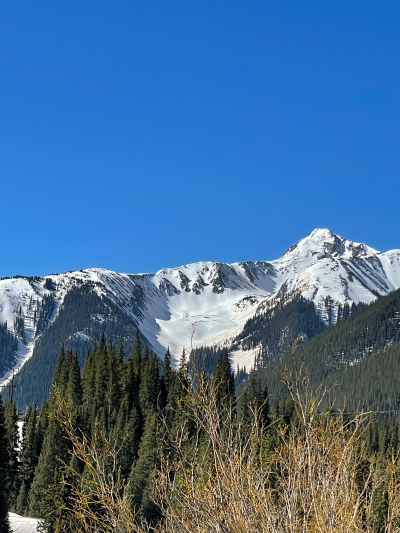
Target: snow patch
[(22, 524)]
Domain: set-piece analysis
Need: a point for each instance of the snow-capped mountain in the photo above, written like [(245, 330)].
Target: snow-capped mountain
[(205, 303)]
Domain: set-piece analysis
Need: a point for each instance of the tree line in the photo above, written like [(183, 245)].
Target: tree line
[(125, 440)]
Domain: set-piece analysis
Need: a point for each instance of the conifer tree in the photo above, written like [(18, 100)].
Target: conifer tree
[(88, 381), (140, 486), (167, 378), (253, 400), (113, 388), (4, 523), (245, 416), (11, 418), (224, 382), (74, 383), (121, 353), (149, 391), (178, 414), (137, 357), (101, 378), (127, 433), (29, 458), (48, 492), (132, 374)]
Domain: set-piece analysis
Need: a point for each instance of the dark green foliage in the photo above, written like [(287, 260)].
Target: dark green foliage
[(205, 358), (47, 484), (4, 457), (54, 451), (357, 359), (150, 386), (29, 458), (11, 418), (254, 400), (83, 316), (274, 331), (370, 329), (140, 488), (127, 432), (141, 412), (224, 382), (8, 349), (44, 312), (373, 383), (114, 398), (102, 383), (19, 327), (167, 378)]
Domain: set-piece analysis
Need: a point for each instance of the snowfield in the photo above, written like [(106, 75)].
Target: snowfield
[(208, 303), (22, 524)]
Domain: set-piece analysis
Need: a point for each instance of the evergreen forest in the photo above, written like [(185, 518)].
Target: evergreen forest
[(127, 443), (357, 360)]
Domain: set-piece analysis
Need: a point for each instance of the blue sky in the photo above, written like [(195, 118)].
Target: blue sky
[(136, 135)]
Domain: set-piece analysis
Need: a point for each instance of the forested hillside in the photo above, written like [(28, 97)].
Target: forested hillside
[(357, 359), (8, 349), (83, 317), (272, 332)]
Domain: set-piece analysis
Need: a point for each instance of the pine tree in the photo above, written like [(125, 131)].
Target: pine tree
[(74, 387), (177, 410), (167, 378), (245, 415), (29, 458), (140, 487), (150, 390), (137, 357), (127, 433), (132, 375), (11, 418), (4, 523), (48, 492), (113, 388), (100, 384), (88, 381), (224, 383)]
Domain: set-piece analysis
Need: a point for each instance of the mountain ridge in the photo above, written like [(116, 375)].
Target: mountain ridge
[(203, 303)]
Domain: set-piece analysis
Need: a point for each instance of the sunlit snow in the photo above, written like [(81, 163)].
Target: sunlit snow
[(208, 303), (21, 524)]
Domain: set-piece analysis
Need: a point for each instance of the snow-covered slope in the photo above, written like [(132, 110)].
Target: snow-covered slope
[(324, 264), (205, 303)]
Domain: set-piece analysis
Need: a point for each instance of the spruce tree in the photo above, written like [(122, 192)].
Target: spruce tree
[(167, 378), (224, 383), (11, 418), (100, 384), (74, 384), (140, 487), (137, 357), (48, 492), (150, 390), (127, 433), (4, 457), (88, 381), (113, 387), (29, 458)]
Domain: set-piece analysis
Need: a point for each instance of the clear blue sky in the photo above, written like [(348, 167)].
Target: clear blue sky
[(136, 135)]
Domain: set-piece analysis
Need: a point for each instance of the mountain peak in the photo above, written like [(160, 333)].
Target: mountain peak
[(323, 243)]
